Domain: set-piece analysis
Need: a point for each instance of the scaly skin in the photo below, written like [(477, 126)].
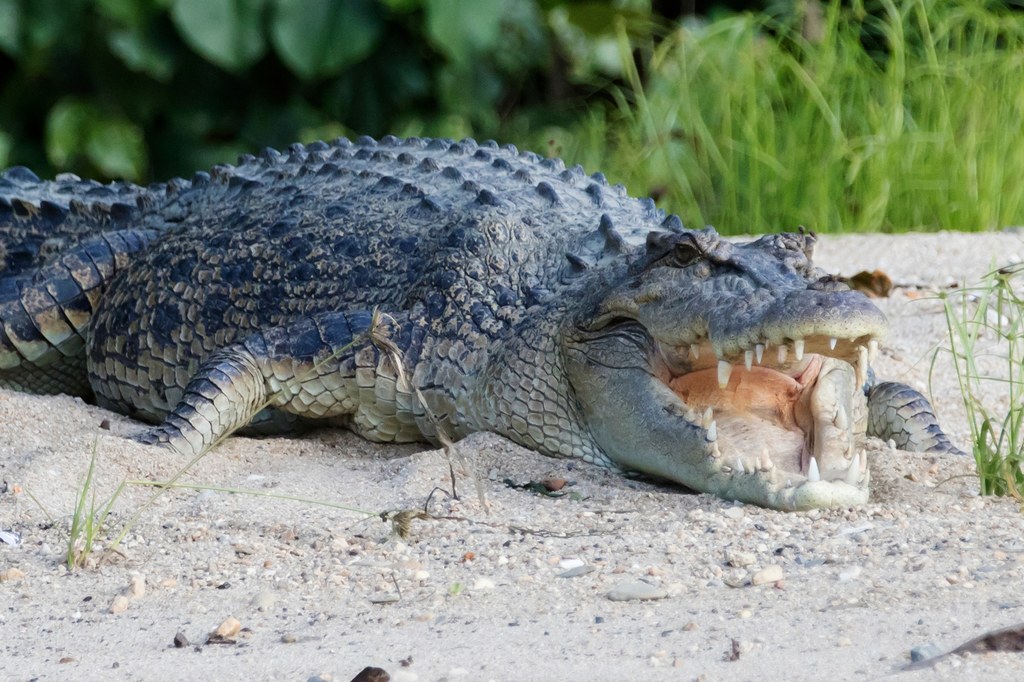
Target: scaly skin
[(524, 298)]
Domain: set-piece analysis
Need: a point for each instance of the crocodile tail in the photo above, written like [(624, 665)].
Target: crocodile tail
[(45, 313), (899, 413), (42, 218)]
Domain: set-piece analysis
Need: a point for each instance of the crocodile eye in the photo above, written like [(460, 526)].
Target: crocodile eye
[(686, 253)]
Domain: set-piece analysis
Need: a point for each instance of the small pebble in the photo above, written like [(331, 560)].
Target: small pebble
[(734, 513), (577, 571), (264, 600), (636, 590), (180, 640), (848, 574), (739, 559), (923, 652), (137, 587), (11, 574), (119, 604), (228, 629), (767, 575), (483, 584)]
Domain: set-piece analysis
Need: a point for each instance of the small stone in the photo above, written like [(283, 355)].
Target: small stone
[(180, 640), (691, 626), (737, 578), (634, 590), (229, 629), (768, 574), (264, 600), (848, 574), (738, 558), (745, 614), (566, 564), (483, 584), (11, 574), (734, 513), (577, 571), (923, 652), (137, 587), (289, 638), (120, 604)]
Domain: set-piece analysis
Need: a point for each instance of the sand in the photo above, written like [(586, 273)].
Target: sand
[(518, 590)]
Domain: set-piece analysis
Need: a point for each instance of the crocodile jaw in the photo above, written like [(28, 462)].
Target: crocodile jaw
[(783, 434)]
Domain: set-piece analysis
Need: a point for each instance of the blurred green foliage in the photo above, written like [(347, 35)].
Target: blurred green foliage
[(146, 89)]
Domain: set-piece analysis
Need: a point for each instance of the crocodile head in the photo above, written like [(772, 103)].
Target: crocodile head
[(733, 369)]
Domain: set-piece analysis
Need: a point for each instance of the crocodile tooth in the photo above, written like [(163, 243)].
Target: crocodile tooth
[(862, 365), (695, 351), (691, 415), (766, 461), (872, 350), (715, 451), (863, 461), (724, 372), (841, 420), (812, 471), (748, 359), (783, 352), (852, 475), (759, 352), (712, 433), (739, 466), (832, 342), (708, 419), (798, 349)]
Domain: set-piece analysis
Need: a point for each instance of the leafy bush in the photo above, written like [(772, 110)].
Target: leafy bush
[(146, 89)]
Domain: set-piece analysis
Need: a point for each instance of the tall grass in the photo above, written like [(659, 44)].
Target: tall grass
[(912, 119), (986, 331)]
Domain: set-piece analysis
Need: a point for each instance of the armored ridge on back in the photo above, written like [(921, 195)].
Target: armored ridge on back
[(526, 299)]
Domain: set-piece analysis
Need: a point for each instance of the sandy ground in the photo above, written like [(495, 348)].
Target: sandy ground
[(324, 590)]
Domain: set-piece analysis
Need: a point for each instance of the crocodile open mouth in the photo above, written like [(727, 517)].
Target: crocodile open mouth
[(793, 412)]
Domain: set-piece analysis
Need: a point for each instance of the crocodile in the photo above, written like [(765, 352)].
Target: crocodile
[(422, 289)]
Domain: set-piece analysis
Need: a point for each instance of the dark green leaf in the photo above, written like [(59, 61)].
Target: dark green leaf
[(5, 148), (67, 127), (139, 53), (321, 37), (114, 146), (226, 32), (128, 12), (460, 28), (9, 27), (117, 148)]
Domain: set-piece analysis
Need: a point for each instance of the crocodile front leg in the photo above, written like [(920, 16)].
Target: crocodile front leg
[(324, 367), (898, 412)]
